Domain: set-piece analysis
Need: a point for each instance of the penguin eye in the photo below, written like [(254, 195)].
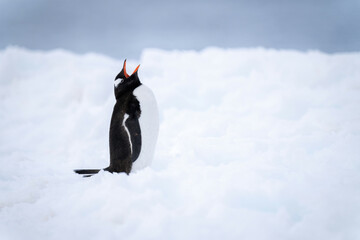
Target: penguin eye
[(118, 81)]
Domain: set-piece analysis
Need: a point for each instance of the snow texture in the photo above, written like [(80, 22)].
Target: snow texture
[(253, 144)]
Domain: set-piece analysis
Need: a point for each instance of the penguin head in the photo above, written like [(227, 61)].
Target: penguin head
[(125, 83)]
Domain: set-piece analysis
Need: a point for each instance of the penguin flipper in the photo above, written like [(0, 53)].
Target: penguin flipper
[(133, 126)]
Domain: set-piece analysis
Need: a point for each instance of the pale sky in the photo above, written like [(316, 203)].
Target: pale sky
[(124, 28)]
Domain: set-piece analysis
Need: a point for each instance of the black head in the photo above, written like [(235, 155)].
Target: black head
[(125, 83)]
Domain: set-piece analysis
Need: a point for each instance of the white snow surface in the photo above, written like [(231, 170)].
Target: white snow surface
[(253, 144), (149, 125)]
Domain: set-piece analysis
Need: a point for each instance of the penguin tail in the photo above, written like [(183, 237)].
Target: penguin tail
[(87, 172)]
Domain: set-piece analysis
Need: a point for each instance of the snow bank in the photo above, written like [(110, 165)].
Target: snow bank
[(253, 144)]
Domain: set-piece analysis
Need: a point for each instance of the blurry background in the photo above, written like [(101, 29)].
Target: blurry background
[(124, 28)]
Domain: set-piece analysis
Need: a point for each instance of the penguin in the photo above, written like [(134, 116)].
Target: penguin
[(134, 126)]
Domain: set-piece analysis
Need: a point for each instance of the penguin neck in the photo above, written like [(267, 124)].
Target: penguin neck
[(121, 96)]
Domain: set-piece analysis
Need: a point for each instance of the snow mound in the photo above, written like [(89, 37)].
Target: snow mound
[(253, 144)]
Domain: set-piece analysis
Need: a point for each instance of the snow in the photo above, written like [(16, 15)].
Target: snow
[(253, 144)]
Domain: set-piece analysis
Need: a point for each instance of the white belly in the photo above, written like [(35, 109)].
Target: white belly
[(149, 124)]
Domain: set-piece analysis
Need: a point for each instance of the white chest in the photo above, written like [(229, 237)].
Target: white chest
[(149, 124)]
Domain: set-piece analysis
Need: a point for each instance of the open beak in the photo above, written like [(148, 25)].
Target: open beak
[(125, 73)]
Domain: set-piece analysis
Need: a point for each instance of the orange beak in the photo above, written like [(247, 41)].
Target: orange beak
[(137, 68), (125, 73)]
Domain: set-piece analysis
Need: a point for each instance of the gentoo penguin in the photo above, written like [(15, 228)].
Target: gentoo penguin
[(133, 128)]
